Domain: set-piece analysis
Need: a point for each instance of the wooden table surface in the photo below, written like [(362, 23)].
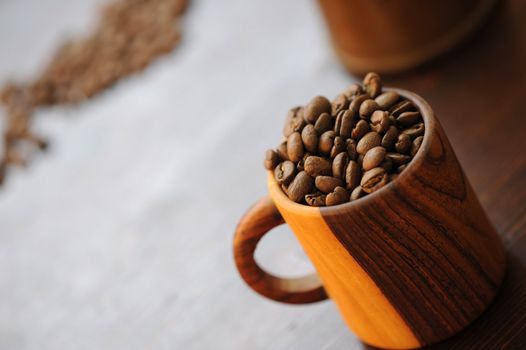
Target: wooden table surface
[(119, 237)]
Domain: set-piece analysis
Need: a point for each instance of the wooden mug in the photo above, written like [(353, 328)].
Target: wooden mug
[(408, 265)]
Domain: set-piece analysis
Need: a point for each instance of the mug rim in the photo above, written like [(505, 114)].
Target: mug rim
[(429, 119)]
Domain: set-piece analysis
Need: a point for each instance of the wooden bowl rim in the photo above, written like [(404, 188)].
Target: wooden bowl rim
[(281, 199)]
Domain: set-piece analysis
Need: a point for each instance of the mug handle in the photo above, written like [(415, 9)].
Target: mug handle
[(260, 219)]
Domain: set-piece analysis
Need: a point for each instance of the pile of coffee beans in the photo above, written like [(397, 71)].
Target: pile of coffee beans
[(338, 151), (130, 34)]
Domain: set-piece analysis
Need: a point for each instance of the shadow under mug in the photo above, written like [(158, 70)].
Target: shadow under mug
[(408, 265)]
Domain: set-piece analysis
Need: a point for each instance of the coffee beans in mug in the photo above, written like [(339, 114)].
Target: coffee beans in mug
[(340, 151)]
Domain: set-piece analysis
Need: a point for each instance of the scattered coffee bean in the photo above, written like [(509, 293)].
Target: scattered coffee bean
[(316, 166), (327, 184), (309, 137), (300, 187), (373, 158), (387, 100), (338, 196), (315, 108), (416, 145), (271, 159), (370, 140), (374, 179), (345, 149), (403, 144)]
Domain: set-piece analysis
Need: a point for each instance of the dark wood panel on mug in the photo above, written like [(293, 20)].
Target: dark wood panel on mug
[(479, 95)]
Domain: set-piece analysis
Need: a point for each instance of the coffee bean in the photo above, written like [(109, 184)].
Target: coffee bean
[(387, 100), (353, 174), (344, 124), (401, 107), (309, 136), (374, 179), (373, 158), (360, 159), (408, 118), (300, 166), (379, 121), (397, 158), (360, 129), (315, 199), (357, 193), (316, 166), (372, 84), (339, 104), (416, 145), (356, 103), (390, 137), (294, 121), (315, 108), (300, 187), (367, 108), (327, 184), (295, 147), (284, 172), (415, 131), (387, 164), (351, 149), (338, 196), (323, 123), (370, 140), (403, 144), (271, 159), (339, 164), (326, 142), (354, 89), (282, 150), (338, 146)]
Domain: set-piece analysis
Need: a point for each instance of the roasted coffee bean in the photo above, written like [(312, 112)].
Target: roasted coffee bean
[(315, 108), (415, 131), (360, 159), (351, 149), (373, 158), (315, 199), (379, 121), (344, 124), (339, 104), (271, 159), (338, 196), (374, 179), (295, 147), (387, 100), (372, 84), (357, 193), (282, 150), (294, 121), (338, 146), (284, 172), (390, 137), (354, 89), (367, 108), (387, 164), (300, 166), (401, 107), (416, 145), (353, 174), (339, 164), (408, 118), (300, 187), (316, 166), (356, 103), (403, 144), (327, 184), (323, 123), (397, 158), (309, 136), (370, 140), (360, 129), (326, 142)]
